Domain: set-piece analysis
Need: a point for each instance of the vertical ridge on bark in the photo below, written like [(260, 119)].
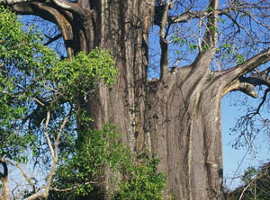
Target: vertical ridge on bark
[(184, 123)]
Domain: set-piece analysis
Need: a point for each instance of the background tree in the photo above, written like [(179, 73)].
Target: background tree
[(221, 47), (256, 184)]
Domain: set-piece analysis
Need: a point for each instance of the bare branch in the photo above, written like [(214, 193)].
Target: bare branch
[(39, 101), (186, 16), (27, 178), (73, 187), (46, 132), (36, 195), (52, 39), (59, 135), (54, 153), (238, 25), (263, 100)]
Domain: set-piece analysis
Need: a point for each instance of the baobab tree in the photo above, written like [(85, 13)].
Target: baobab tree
[(178, 115)]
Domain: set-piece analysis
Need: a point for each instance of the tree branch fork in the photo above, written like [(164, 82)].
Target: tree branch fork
[(43, 191)]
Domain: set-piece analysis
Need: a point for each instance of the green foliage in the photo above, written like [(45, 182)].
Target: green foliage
[(101, 150), (84, 71), (95, 150), (192, 47), (227, 51), (142, 182), (21, 56), (223, 21)]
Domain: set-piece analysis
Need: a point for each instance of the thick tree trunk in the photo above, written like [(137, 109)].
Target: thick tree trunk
[(185, 127), (177, 118), (124, 31)]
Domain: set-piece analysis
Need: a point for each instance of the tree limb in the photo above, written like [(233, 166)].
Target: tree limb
[(209, 42), (73, 187), (28, 179), (247, 66), (244, 87), (72, 7), (186, 16), (261, 78), (54, 153), (52, 39), (163, 42), (247, 84), (50, 13)]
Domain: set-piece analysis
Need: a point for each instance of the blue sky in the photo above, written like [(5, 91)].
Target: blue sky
[(235, 161)]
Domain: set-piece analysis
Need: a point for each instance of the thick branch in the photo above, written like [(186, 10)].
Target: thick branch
[(186, 16), (159, 12), (244, 87), (247, 84), (72, 7), (5, 172), (163, 42), (247, 66), (261, 78), (210, 37), (50, 13), (209, 42)]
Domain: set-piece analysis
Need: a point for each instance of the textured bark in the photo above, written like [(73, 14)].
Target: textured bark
[(177, 117), (185, 127), (4, 180)]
